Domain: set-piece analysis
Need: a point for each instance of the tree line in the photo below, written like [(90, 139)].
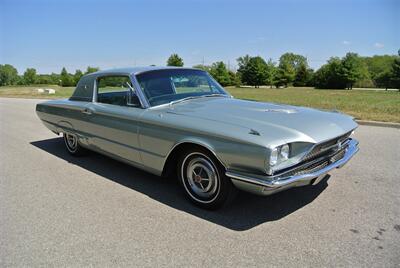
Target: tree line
[(9, 76), (382, 71), (350, 71)]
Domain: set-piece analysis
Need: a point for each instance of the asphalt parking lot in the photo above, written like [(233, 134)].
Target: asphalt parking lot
[(62, 211)]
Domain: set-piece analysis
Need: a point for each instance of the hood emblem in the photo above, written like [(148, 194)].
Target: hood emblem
[(254, 132), (286, 111)]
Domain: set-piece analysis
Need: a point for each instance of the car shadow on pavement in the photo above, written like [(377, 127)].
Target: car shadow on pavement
[(245, 212)]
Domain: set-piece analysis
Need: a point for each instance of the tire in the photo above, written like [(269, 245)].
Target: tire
[(72, 144), (203, 179)]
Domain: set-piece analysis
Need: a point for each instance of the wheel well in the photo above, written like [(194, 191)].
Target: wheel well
[(170, 163)]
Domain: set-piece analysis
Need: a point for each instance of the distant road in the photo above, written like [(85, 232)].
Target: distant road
[(381, 89), (355, 88), (56, 210)]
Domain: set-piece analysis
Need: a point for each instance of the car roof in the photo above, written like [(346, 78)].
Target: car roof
[(134, 70)]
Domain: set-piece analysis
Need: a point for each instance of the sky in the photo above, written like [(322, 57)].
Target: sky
[(49, 34)]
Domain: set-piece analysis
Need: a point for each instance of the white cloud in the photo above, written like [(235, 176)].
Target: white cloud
[(346, 43), (379, 45), (259, 39)]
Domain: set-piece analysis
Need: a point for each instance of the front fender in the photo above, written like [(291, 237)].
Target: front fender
[(200, 142), (233, 146)]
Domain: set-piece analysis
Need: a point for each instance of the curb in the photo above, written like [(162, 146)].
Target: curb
[(378, 124)]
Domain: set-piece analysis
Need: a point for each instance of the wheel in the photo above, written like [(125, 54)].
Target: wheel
[(203, 179), (72, 144)]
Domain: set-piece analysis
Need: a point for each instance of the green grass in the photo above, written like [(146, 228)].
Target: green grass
[(363, 104), (31, 92)]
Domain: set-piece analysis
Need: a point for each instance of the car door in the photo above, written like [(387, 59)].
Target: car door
[(114, 116), (74, 117)]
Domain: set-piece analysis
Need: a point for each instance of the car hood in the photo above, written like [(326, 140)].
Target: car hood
[(276, 123)]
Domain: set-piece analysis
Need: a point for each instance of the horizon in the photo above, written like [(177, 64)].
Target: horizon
[(224, 31)]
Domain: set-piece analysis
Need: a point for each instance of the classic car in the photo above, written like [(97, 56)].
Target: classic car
[(180, 121)]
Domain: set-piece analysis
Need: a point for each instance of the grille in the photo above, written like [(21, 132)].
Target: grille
[(326, 147), (338, 156), (310, 169), (305, 169)]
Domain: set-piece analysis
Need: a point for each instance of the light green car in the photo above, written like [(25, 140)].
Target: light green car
[(180, 121)]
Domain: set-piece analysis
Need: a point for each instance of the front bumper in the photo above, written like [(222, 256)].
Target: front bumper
[(266, 185)]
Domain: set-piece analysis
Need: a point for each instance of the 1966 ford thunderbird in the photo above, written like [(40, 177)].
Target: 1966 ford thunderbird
[(167, 120)]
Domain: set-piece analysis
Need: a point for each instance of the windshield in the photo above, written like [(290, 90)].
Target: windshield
[(171, 85)]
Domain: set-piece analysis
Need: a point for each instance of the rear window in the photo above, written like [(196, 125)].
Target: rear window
[(84, 90)]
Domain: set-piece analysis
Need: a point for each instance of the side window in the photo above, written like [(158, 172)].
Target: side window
[(115, 90)]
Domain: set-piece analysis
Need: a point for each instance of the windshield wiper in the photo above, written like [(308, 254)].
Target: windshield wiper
[(197, 97), (184, 99), (215, 95)]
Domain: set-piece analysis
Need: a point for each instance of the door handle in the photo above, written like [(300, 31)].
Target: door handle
[(87, 111)]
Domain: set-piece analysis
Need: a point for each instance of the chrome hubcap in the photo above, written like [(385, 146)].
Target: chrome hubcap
[(72, 141), (202, 177)]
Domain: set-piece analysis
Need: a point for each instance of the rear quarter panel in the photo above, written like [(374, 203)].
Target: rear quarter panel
[(63, 116)]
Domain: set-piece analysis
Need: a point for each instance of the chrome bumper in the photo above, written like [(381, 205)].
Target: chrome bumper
[(265, 185)]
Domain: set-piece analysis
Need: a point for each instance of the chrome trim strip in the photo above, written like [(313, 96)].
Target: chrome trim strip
[(164, 68), (143, 100), (266, 181)]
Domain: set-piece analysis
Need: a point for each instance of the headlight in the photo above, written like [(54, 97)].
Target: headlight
[(279, 154), (284, 152), (274, 157)]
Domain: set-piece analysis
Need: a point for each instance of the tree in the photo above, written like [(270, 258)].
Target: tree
[(8, 75), (202, 67), (77, 76), (378, 64), (55, 78), (243, 63), (342, 73), (234, 78), (253, 70), (384, 80), (330, 75), (293, 60), (30, 76), (353, 69), (44, 79), (90, 69), (395, 72), (220, 73), (175, 60), (303, 76), (290, 65), (271, 73), (66, 79), (285, 75)]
